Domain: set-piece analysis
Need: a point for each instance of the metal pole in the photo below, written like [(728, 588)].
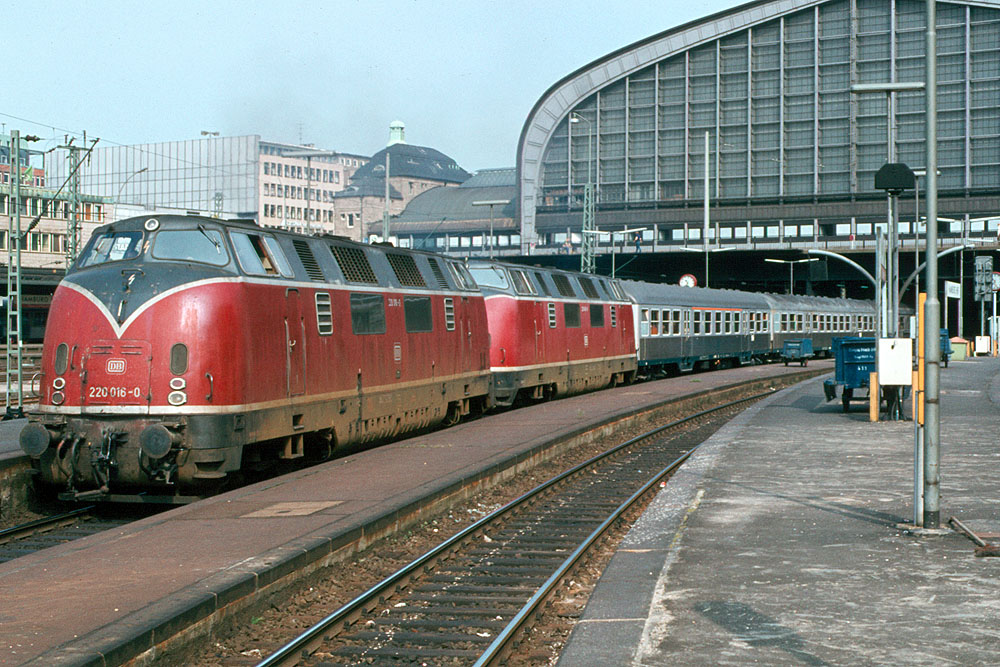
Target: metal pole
[(385, 214), (491, 231), (791, 277), (705, 233), (14, 409), (932, 345)]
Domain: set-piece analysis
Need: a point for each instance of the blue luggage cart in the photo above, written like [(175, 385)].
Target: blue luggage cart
[(854, 364), (797, 349)]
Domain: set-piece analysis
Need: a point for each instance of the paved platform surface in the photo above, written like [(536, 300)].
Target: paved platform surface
[(9, 431), (778, 544), (112, 595)]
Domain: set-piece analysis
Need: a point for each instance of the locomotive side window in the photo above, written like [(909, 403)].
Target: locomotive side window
[(367, 313), (112, 247), (462, 276), (521, 283), (206, 246), (597, 315), (260, 255), (417, 311), (324, 314), (571, 314)]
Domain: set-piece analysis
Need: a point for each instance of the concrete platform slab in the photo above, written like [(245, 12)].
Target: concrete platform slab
[(779, 544)]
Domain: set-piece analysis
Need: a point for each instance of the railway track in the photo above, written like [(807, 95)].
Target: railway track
[(40, 534), (466, 601)]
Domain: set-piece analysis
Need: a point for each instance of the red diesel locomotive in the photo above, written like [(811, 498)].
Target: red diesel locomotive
[(180, 350), (554, 332)]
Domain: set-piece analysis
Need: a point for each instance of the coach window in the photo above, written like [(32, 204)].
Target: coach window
[(676, 322), (571, 314), (717, 319), (697, 322), (644, 322), (367, 313), (654, 323)]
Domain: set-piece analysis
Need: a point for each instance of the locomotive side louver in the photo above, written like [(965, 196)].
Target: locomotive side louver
[(308, 260)]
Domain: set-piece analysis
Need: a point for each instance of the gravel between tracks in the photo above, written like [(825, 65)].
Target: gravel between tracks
[(253, 635)]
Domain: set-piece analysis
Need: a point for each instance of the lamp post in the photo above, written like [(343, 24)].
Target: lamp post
[(491, 203), (125, 182), (791, 269), (892, 263), (587, 250)]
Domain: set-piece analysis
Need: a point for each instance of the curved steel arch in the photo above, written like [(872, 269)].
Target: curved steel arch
[(565, 94)]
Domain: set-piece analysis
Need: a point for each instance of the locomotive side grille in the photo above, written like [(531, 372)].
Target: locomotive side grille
[(438, 273), (308, 260), (562, 284), (588, 287), (405, 269), (324, 314), (541, 281), (354, 264), (449, 314)]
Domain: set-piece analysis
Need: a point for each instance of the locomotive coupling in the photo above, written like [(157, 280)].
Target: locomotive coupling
[(35, 439), (156, 441)]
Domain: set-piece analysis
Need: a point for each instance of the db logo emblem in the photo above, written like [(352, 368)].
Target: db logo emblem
[(116, 366)]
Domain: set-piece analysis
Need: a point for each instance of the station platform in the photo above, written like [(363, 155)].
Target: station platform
[(110, 597), (779, 542)]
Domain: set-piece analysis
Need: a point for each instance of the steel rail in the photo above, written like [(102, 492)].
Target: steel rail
[(310, 640), (31, 527)]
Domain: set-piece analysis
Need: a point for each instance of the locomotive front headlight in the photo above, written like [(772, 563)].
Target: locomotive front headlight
[(177, 384), (176, 398), (58, 383), (58, 397)]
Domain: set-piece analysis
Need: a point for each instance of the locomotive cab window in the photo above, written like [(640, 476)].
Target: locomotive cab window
[(206, 246), (112, 247), (490, 276), (260, 255)]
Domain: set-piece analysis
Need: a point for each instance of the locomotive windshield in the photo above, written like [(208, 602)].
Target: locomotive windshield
[(113, 247), (191, 245), (490, 276)]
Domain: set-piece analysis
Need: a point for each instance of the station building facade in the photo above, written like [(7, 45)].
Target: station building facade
[(791, 152)]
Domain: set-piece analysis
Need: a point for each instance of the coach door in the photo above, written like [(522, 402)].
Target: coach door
[(295, 344)]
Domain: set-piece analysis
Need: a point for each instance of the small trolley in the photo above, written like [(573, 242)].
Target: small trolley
[(854, 363)]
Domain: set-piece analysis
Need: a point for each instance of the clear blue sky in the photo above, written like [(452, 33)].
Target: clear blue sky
[(462, 76)]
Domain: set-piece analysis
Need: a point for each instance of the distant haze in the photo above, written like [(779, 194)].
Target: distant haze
[(462, 76)]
